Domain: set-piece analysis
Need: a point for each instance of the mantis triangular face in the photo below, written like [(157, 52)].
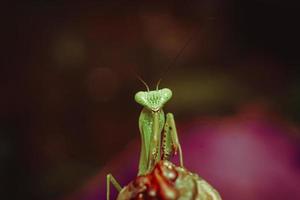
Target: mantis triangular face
[(153, 100)]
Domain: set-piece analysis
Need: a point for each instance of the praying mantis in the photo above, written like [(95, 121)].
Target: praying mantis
[(157, 178)]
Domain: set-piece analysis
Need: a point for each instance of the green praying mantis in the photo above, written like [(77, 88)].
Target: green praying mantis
[(152, 122), (158, 178)]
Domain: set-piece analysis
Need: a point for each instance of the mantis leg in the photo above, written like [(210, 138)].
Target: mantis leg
[(171, 143), (154, 150), (111, 179)]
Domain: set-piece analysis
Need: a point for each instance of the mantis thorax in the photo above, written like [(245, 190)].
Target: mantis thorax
[(153, 100)]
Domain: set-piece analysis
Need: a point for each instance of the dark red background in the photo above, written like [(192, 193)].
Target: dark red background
[(67, 81)]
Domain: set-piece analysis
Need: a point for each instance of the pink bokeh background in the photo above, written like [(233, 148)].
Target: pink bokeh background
[(245, 157)]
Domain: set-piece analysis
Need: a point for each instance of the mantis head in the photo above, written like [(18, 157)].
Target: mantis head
[(153, 100)]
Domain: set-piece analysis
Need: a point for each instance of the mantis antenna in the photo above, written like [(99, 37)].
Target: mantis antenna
[(180, 52), (171, 63), (158, 82), (140, 78)]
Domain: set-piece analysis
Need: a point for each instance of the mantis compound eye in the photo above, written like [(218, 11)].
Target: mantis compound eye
[(166, 95), (141, 98)]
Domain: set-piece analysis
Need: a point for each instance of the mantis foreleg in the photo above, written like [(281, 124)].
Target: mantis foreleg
[(171, 143), (154, 151), (111, 179)]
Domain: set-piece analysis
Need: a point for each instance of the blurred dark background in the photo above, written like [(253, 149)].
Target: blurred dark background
[(67, 78)]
